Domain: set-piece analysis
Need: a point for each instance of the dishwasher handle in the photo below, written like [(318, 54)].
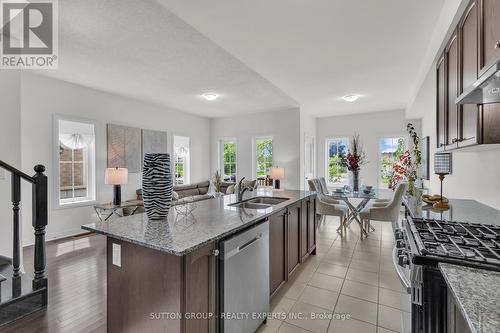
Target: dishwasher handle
[(250, 242)]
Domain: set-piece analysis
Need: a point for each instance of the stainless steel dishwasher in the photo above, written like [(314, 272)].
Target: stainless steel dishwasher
[(244, 280)]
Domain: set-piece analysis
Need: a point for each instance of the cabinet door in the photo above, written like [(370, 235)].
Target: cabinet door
[(451, 61), (441, 104), (490, 32), (311, 226), (294, 217), (277, 253), (304, 250), (469, 113), (200, 269)]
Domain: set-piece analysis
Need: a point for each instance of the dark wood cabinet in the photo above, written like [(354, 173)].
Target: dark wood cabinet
[(489, 24), (451, 64), (277, 250), (471, 49), (441, 104), (468, 32), (294, 230), (292, 237)]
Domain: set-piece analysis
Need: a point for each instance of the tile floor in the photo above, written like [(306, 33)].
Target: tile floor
[(347, 277)]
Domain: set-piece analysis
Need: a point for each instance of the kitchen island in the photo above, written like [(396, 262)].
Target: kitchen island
[(162, 276)]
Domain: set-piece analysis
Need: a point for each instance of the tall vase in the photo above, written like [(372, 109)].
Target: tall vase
[(157, 185), (355, 181)]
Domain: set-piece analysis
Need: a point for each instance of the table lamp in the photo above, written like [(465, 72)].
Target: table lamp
[(442, 167), (116, 177), (277, 174)]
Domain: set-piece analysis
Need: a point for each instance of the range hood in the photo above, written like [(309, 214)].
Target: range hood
[(485, 90)]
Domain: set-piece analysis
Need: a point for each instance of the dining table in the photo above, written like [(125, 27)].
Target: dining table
[(346, 195)]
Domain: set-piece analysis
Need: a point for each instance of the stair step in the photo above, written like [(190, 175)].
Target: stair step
[(11, 289)]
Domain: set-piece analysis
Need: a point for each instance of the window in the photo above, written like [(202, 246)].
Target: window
[(76, 162), (263, 156), (390, 151), (181, 160), (228, 160), (336, 172)]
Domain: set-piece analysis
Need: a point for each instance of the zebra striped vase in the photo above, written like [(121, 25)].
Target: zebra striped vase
[(157, 185)]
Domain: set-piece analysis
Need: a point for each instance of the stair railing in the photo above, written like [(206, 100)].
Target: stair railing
[(39, 222)]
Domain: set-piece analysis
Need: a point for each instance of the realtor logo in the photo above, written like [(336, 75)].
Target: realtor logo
[(29, 38)]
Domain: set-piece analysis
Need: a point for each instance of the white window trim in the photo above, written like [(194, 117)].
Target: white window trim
[(187, 162), (91, 169), (254, 152), (220, 165), (327, 157), (379, 159)]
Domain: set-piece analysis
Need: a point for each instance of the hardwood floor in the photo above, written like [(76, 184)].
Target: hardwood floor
[(76, 270)]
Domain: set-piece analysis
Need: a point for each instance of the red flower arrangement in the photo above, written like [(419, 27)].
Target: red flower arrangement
[(356, 157)]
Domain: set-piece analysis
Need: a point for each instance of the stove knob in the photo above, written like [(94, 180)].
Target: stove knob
[(398, 234), (403, 260), (400, 243)]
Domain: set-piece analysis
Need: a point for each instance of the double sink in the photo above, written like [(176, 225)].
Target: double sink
[(259, 202)]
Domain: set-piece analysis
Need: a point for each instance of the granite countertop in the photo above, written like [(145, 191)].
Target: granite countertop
[(476, 294), (460, 210), (180, 234)]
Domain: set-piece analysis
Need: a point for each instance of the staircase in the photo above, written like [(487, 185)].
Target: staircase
[(20, 294)]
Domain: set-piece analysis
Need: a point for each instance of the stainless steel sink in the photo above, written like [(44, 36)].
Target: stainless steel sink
[(267, 200), (259, 202)]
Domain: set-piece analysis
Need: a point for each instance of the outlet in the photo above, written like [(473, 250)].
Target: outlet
[(117, 255)]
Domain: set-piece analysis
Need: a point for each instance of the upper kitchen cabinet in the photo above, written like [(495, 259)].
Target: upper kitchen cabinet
[(468, 121), (441, 104), (451, 64), (489, 32)]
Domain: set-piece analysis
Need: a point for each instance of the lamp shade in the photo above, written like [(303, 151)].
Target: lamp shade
[(277, 173), (442, 163), (116, 176)]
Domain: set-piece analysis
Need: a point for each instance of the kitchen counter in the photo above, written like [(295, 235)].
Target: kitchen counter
[(211, 220), (460, 210), (476, 294)]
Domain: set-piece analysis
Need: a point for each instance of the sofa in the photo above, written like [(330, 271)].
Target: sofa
[(196, 191)]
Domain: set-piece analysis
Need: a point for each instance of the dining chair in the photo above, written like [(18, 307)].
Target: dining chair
[(383, 211), (327, 206)]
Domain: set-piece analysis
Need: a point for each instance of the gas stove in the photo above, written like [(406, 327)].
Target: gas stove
[(461, 243)]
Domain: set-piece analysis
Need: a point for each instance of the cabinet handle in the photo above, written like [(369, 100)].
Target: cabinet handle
[(454, 140), (441, 145), (497, 44), (215, 252)]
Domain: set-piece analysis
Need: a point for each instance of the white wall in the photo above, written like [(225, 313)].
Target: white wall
[(43, 97), (283, 126), (10, 151), (307, 128), (370, 126), (475, 174)]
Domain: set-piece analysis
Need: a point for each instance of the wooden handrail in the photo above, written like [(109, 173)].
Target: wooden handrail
[(16, 172)]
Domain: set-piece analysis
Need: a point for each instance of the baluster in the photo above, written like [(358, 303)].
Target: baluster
[(39, 221), (16, 252)]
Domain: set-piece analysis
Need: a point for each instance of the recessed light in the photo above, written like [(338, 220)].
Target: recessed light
[(351, 98), (210, 96)]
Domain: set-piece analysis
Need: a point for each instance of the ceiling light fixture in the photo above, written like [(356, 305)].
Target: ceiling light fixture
[(351, 98), (210, 96)]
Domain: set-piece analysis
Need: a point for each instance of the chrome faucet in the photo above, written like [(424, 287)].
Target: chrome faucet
[(242, 189)]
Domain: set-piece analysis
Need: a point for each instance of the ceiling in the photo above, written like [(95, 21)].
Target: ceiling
[(259, 55), (317, 51), (140, 49)]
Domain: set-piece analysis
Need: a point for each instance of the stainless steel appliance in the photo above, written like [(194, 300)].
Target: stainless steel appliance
[(485, 90), (421, 244), (244, 280)]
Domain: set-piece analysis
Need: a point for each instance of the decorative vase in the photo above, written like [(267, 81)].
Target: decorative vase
[(157, 185), (355, 180)]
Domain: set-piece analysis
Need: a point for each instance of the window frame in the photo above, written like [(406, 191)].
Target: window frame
[(254, 152), (327, 158), (90, 169), (187, 161), (379, 153), (221, 165)]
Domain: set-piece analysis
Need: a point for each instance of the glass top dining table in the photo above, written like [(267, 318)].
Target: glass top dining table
[(354, 211)]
